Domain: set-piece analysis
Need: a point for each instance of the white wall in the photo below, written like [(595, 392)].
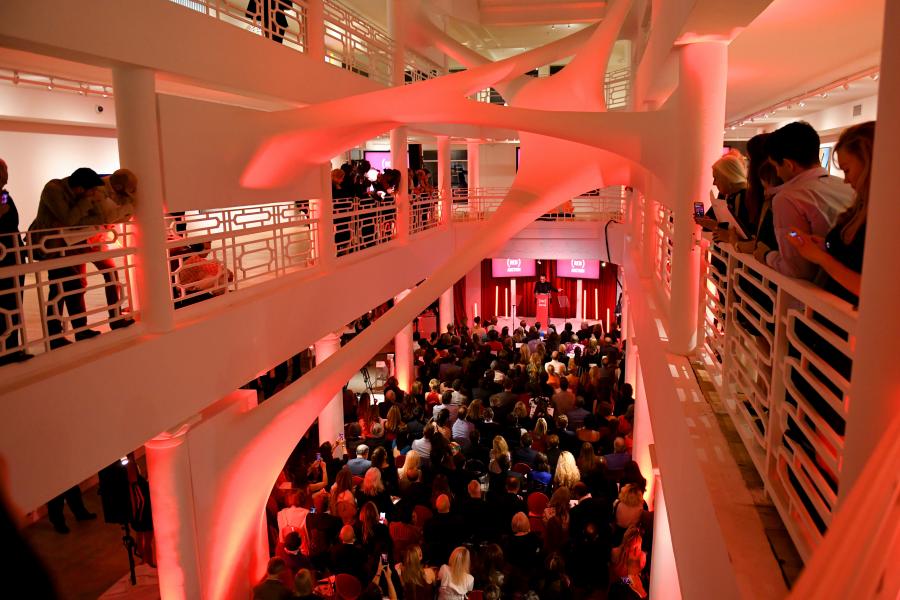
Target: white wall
[(36, 158), (40, 104), (831, 121), (498, 165)]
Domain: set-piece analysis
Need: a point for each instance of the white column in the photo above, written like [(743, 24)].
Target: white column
[(399, 159), (403, 350), (445, 310), (138, 139), (331, 419), (643, 432), (315, 29), (544, 71), (473, 160), (579, 300), (512, 303), (648, 236), (444, 178), (874, 397), (174, 523), (323, 207), (702, 76), (664, 570)]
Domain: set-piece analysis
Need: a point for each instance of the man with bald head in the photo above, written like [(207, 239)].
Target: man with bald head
[(443, 532), (10, 287)]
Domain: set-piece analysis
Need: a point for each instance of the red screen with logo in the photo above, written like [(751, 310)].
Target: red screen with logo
[(578, 268), (512, 267)]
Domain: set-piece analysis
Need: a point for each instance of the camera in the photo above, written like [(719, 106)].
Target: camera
[(99, 108)]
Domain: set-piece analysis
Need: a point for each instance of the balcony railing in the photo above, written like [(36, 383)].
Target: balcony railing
[(283, 21), (662, 253), (353, 43), (362, 223), (479, 204), (781, 353), (617, 89), (424, 212), (48, 292), (216, 251)]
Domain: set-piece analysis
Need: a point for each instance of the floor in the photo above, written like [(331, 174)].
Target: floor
[(747, 495), (91, 559)]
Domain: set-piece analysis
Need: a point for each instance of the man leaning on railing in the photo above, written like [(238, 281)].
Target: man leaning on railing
[(76, 201)]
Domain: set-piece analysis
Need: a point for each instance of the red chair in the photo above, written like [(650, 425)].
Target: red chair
[(475, 595), (537, 502), (421, 514), (522, 468), (357, 481), (347, 587), (399, 461), (537, 525)]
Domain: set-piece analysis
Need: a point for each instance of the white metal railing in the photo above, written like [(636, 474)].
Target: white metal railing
[(212, 252), (355, 44), (602, 204), (781, 350), (54, 83), (664, 226), (48, 293), (283, 21), (361, 223), (617, 89), (419, 68), (424, 211)]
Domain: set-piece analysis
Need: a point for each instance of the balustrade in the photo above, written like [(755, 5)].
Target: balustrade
[(781, 354), (602, 204)]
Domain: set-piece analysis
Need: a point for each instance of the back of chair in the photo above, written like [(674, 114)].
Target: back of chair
[(522, 468), (475, 595), (357, 481), (537, 502), (399, 461), (422, 514)]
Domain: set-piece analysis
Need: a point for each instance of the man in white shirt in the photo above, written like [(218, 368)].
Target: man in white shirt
[(809, 201), (558, 367)]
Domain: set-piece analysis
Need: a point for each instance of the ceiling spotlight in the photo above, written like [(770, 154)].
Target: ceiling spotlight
[(875, 77), (733, 127), (824, 94), (603, 264), (802, 104)]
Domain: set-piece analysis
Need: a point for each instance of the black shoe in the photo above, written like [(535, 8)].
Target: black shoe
[(86, 516), (61, 528), (121, 323), (86, 335), (59, 342), (15, 357)]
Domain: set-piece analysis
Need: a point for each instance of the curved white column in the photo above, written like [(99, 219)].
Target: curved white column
[(445, 310), (403, 350), (331, 419)]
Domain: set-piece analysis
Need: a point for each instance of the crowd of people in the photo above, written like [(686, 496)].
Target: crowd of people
[(505, 470), (794, 216)]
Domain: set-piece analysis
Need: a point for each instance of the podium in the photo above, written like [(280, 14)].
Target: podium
[(542, 314)]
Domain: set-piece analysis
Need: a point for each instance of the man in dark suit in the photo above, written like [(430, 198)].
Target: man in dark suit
[(525, 453), (272, 587), (504, 505), (347, 557), (588, 510), (443, 532)]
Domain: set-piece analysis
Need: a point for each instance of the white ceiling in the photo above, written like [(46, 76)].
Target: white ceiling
[(795, 46)]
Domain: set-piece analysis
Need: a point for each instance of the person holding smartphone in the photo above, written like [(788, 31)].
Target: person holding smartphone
[(10, 287)]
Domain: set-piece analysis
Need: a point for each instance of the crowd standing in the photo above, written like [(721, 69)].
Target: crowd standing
[(504, 469)]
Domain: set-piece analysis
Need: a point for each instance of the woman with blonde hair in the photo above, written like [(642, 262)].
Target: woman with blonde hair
[(539, 435), (629, 508), (417, 581), (372, 490), (433, 397), (476, 410), (627, 563), (498, 449), (394, 424), (840, 253), (455, 579), (567, 474)]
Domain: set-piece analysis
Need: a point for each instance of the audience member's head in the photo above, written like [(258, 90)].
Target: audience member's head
[(520, 524)]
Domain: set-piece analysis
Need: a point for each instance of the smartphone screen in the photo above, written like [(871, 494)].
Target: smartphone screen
[(4, 197), (384, 558), (340, 437), (698, 209), (382, 517), (318, 456), (792, 233)]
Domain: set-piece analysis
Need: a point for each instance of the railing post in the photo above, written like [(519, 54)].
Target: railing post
[(138, 137), (444, 178), (331, 419), (326, 252), (875, 388), (702, 73), (473, 160), (315, 29)]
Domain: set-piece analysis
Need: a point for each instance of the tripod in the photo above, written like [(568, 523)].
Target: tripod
[(367, 380), (128, 541)]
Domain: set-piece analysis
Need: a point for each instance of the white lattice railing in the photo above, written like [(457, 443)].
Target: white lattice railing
[(362, 223), (353, 43), (597, 205), (424, 211), (283, 21), (664, 227), (60, 283), (782, 352), (617, 89), (419, 68), (212, 252)]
